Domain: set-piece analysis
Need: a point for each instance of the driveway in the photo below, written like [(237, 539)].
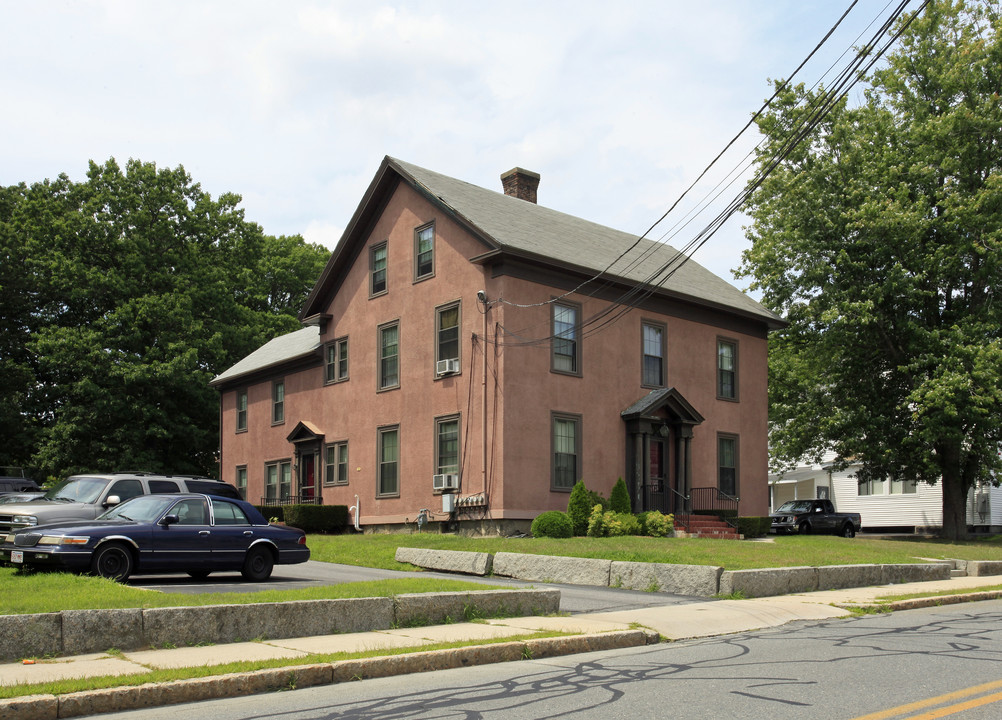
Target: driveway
[(573, 598)]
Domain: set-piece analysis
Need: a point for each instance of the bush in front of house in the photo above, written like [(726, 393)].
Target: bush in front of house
[(656, 524), (317, 518), (606, 523), (552, 524), (619, 498), (579, 508), (753, 527), (272, 513)]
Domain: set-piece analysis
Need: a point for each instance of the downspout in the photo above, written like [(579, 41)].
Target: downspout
[(482, 297), (355, 512)]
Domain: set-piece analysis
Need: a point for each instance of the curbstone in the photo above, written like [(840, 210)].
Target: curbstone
[(558, 646), (461, 561), (837, 577), (769, 582), (894, 574), (698, 580), (24, 636), (981, 568), (427, 661), (88, 631), (30, 707), (439, 608), (237, 623), (547, 568)]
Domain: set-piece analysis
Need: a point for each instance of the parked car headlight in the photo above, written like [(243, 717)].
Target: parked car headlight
[(24, 520), (63, 540)]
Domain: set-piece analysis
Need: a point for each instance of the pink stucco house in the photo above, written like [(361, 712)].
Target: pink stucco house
[(472, 354)]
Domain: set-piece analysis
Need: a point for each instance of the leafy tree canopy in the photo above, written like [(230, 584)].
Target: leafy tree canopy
[(879, 240), (120, 298)]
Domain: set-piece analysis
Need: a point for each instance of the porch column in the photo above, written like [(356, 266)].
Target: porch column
[(685, 433), (638, 468)]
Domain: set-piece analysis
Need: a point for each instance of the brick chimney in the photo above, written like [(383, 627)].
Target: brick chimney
[(521, 184)]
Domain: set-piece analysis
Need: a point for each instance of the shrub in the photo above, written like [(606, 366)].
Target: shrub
[(752, 527), (595, 498), (579, 508), (271, 513), (317, 518), (619, 498), (553, 524), (596, 521), (656, 524), (621, 524)]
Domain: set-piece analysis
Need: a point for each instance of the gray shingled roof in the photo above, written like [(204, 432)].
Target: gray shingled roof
[(528, 228), (301, 343)]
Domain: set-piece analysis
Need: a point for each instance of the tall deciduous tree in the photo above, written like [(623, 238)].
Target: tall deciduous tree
[(124, 295), (880, 239)]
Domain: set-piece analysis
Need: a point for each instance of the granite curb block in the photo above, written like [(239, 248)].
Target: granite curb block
[(979, 568), (700, 580), (92, 702), (78, 632), (553, 569), (462, 561), (441, 608)]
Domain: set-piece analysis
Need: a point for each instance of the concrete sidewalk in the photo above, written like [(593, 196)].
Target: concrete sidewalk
[(588, 632)]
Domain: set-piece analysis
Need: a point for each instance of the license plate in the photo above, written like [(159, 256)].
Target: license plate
[(16, 556)]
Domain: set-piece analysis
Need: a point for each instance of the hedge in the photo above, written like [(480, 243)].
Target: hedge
[(309, 518)]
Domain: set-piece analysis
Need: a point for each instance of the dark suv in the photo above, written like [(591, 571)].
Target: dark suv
[(84, 497)]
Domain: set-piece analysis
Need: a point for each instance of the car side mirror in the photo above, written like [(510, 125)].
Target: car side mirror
[(169, 520), (112, 500)]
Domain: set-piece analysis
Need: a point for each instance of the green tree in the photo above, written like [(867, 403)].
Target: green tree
[(143, 288), (579, 507), (879, 240), (619, 498)]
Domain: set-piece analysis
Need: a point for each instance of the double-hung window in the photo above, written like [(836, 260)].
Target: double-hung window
[(566, 341), (241, 481), (727, 369), (336, 361), (424, 252), (727, 464), (447, 333), (447, 446), (389, 459), (336, 464), (566, 443), (278, 402), (653, 370), (241, 411), (277, 480), (377, 269), (389, 356)]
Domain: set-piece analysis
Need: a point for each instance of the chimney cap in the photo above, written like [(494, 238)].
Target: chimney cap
[(520, 171)]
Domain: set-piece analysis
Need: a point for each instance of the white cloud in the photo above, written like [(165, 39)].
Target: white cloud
[(292, 105)]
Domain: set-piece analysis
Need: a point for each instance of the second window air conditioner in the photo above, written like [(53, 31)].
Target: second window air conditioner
[(445, 482), (447, 367)]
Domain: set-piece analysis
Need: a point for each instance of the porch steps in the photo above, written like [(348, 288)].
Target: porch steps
[(704, 526)]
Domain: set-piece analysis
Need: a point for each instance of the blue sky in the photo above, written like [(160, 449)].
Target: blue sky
[(293, 104)]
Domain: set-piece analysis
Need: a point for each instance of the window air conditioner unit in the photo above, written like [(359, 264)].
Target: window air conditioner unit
[(445, 482), (447, 367)]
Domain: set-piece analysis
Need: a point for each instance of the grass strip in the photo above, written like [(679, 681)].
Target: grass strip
[(938, 593), (62, 687), (784, 551), (42, 592)]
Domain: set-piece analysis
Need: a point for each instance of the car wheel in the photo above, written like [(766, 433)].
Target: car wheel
[(848, 531), (258, 564), (112, 561), (199, 574), (804, 528)]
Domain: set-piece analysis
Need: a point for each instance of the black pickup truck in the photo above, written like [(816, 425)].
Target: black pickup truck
[(814, 516)]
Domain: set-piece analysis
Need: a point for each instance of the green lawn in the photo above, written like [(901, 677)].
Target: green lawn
[(43, 592), (785, 551), (50, 592)]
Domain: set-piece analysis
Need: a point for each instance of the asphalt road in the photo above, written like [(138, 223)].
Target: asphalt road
[(900, 665), (573, 598)]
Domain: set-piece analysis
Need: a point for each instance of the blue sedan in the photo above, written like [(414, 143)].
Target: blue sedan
[(195, 534)]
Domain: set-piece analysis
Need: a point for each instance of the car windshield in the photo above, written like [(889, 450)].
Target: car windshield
[(146, 509), (78, 490), (795, 506)]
